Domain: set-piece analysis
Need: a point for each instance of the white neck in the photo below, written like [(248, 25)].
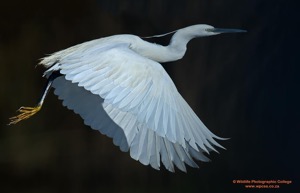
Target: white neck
[(174, 51)]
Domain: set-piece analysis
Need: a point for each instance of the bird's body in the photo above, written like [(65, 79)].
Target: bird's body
[(118, 86)]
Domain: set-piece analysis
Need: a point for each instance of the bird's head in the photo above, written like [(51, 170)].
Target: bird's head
[(201, 30)]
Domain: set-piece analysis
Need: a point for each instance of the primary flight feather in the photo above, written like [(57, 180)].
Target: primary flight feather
[(118, 86)]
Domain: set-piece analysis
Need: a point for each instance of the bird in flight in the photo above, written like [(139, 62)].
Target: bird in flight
[(118, 87)]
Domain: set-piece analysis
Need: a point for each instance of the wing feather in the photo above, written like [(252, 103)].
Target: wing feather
[(133, 100)]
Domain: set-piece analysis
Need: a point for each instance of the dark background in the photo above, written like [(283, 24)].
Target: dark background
[(242, 86)]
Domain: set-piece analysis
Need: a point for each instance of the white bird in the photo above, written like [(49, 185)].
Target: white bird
[(118, 86)]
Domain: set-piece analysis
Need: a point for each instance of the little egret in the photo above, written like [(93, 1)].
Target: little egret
[(118, 86)]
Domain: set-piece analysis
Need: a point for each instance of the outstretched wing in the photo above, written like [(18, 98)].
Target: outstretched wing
[(133, 100)]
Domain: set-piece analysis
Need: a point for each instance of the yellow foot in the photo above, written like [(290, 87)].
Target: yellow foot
[(25, 113)]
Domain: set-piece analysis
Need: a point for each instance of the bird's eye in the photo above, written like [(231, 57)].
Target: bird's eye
[(209, 29)]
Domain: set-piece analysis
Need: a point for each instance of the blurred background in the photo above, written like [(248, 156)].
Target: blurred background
[(242, 86)]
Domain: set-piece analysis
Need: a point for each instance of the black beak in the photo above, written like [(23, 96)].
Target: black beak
[(221, 30)]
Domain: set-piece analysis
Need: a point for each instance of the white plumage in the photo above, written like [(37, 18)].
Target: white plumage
[(117, 85)]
